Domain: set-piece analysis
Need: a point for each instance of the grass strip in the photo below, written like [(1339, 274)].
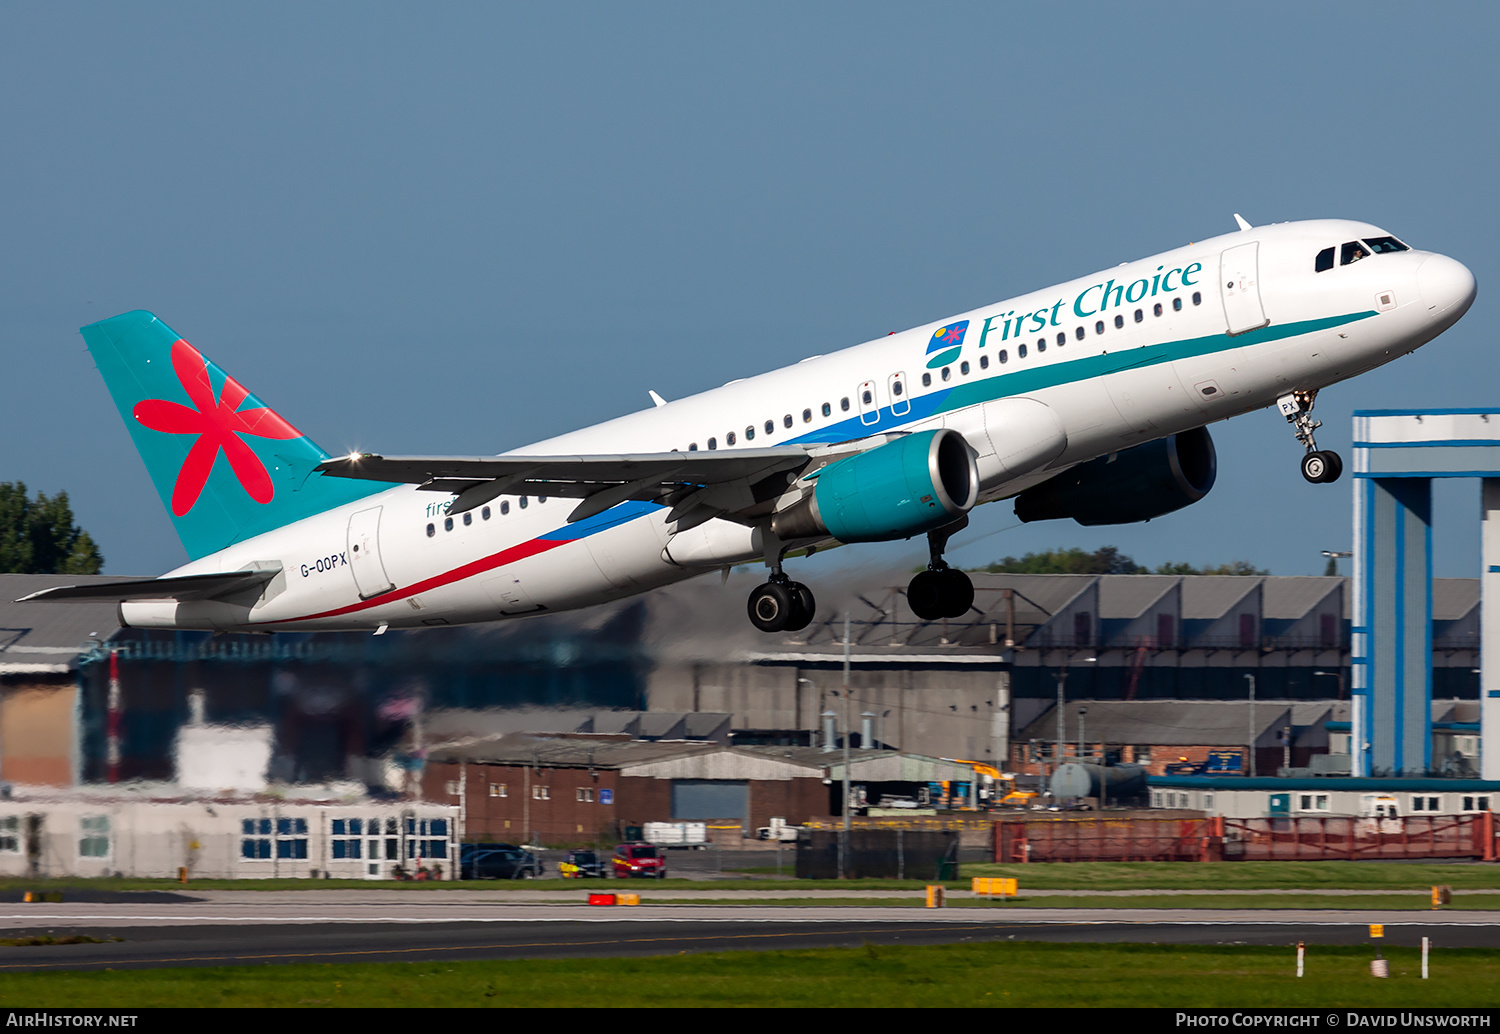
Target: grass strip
[(987, 974)]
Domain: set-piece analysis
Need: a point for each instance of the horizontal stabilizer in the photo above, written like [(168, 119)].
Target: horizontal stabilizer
[(186, 587)]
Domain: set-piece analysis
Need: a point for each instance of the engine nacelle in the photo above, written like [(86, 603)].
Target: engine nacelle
[(906, 487), (1138, 484)]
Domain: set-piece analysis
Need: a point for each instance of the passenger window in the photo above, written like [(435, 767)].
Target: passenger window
[(504, 507), (430, 531), (1385, 245), (1176, 305), (827, 409), (750, 433), (1156, 309), (1041, 344), (1324, 261), (786, 421), (447, 523), (541, 499), (984, 362), (1079, 333), (1003, 357), (1099, 327), (1062, 338), (807, 416), (1119, 322), (713, 444), (1351, 253), (947, 373), (963, 367), (1020, 351), (729, 438), (926, 380), (485, 513), (868, 397), (771, 425), (896, 388), (468, 518), (692, 446), (523, 502), (1197, 297), (844, 403), (1139, 315)]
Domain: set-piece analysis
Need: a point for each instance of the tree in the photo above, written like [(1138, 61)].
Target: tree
[(1104, 560), (39, 537)]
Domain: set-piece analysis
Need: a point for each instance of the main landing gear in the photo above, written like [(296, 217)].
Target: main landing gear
[(941, 591), (1318, 466), (780, 605)]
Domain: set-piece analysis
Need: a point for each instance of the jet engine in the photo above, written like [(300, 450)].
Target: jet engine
[(912, 485), (1140, 483)]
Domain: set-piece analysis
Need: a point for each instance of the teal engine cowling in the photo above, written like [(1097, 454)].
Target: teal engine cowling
[(1137, 484), (912, 485)]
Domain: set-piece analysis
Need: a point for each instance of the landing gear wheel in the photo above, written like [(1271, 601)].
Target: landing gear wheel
[(958, 593), (772, 606), (1320, 468), (804, 607), (925, 595), (941, 593)]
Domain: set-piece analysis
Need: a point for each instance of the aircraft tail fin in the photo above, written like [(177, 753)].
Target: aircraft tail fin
[(226, 466)]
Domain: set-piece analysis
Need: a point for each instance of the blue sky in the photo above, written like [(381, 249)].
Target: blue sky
[(458, 228)]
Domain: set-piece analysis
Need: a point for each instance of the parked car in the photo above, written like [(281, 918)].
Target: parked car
[(578, 865), (497, 862), (639, 859)]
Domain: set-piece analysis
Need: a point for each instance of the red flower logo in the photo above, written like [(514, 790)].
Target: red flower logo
[(217, 425)]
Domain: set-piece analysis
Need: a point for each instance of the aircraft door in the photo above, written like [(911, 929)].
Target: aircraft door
[(364, 554), (869, 406), (1239, 283), (900, 403)]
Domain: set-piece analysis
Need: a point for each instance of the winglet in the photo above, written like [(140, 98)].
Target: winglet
[(1241, 220)]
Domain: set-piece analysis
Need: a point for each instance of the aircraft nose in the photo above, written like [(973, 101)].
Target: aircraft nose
[(1447, 287)]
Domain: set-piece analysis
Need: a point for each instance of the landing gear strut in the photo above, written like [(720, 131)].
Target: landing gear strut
[(1318, 466), (780, 605), (941, 591)]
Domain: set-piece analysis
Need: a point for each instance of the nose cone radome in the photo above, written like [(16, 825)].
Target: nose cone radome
[(1447, 287)]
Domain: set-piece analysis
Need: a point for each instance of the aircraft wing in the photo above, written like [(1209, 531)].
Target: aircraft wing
[(729, 482), (183, 588)]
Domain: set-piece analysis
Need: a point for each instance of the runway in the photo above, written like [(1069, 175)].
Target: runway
[(227, 928)]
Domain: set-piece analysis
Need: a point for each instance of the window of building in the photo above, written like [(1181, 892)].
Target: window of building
[(1312, 802), (291, 838), (499, 790), (255, 839), (1324, 261), (541, 793), (344, 838), (586, 794), (427, 838), (10, 834), (93, 840), (1427, 804), (1477, 803)]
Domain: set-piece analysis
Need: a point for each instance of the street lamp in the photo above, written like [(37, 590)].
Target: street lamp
[(1062, 683), (1335, 675)]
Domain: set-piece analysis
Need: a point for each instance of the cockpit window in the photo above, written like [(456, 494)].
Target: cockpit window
[(1325, 261), (1385, 245), (1352, 252)]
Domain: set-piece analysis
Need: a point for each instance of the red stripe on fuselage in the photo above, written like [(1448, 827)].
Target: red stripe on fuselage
[(458, 574)]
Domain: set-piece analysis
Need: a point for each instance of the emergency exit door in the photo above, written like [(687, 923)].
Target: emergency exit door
[(364, 554), (1239, 282)]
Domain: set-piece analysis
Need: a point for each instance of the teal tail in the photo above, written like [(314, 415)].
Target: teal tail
[(227, 467)]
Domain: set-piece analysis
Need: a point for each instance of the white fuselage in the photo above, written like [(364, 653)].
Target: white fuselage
[(1111, 360)]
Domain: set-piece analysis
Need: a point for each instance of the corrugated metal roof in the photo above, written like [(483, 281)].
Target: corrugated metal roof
[(1292, 597), (1184, 722), (564, 752), (1212, 596), (49, 637), (1453, 598), (1131, 595)]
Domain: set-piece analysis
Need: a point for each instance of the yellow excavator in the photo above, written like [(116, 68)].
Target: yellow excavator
[(1006, 794)]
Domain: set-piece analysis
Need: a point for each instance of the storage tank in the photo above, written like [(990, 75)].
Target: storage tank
[(1078, 780)]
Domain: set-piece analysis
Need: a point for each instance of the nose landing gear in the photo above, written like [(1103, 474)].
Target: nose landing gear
[(941, 591), (1318, 466)]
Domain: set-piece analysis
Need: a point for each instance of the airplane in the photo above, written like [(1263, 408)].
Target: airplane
[(1088, 400)]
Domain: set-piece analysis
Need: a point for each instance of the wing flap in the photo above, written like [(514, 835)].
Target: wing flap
[(182, 589)]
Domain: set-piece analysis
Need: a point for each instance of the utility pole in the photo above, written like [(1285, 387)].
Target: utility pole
[(1251, 739), (844, 840)]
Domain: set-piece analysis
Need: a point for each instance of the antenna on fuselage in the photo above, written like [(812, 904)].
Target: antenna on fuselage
[(656, 398), (1241, 220)]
